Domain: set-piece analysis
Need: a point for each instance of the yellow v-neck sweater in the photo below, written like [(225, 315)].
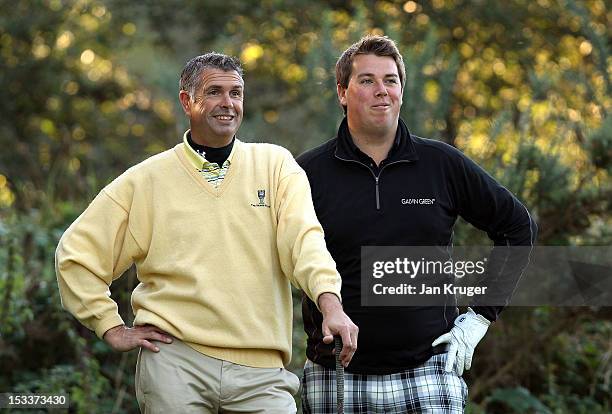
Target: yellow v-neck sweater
[(214, 264)]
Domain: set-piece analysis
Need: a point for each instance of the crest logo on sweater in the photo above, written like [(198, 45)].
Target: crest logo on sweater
[(261, 195)]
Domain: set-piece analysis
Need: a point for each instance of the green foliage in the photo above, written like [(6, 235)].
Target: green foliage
[(73, 106), (430, 77), (42, 348), (519, 400), (599, 144)]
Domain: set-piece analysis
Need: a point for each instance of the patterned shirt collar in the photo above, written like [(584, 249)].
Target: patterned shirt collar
[(198, 161)]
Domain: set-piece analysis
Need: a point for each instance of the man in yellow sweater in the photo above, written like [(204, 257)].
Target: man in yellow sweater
[(218, 230)]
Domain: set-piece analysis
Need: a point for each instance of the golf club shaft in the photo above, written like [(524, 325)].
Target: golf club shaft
[(339, 375)]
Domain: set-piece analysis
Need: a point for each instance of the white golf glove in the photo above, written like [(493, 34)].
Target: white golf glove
[(469, 329)]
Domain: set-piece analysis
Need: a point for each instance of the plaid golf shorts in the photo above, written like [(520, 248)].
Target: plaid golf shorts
[(423, 389)]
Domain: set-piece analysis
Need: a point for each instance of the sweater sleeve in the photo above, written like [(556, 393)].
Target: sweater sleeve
[(303, 254), (489, 206), (95, 250)]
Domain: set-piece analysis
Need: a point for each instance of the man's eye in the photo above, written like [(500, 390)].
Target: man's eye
[(236, 94), (392, 80), (363, 81), (213, 92)]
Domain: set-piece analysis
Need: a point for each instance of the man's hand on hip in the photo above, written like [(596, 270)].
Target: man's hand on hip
[(469, 329), (336, 322), (121, 338)]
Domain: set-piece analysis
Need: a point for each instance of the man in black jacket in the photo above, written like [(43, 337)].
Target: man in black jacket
[(410, 359)]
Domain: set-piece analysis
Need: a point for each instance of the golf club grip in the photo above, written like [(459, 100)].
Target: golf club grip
[(339, 375)]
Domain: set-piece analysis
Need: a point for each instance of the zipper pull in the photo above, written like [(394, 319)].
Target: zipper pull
[(377, 193)]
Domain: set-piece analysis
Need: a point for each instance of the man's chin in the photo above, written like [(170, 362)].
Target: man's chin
[(225, 132), (383, 125)]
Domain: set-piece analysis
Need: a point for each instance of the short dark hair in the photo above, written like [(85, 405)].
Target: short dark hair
[(368, 45), (191, 74)]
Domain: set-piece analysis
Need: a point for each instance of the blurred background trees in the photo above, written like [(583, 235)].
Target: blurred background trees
[(89, 88)]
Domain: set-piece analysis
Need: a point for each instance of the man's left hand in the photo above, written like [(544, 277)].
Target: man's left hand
[(469, 329), (336, 322)]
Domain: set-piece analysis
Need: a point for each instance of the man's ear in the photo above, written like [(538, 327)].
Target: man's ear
[(185, 100), (341, 94)]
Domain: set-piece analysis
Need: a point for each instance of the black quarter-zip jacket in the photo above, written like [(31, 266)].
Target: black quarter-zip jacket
[(361, 204)]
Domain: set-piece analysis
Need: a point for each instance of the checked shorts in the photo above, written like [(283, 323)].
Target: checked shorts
[(423, 389)]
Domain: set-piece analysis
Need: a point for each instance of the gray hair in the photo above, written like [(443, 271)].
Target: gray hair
[(191, 75)]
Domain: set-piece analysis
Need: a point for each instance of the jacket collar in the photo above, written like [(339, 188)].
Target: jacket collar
[(402, 150)]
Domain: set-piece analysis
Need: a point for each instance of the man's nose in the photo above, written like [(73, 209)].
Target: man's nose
[(381, 89), (226, 101)]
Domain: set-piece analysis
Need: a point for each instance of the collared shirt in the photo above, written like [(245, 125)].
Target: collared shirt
[(211, 171)]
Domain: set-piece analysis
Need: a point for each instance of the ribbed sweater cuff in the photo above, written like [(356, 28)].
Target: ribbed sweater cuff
[(105, 324), (318, 291)]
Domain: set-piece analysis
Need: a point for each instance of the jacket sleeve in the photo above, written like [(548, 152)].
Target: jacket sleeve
[(303, 254), (489, 206), (96, 249)]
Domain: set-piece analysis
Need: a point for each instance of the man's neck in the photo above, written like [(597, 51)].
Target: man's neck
[(210, 142), (376, 147)]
